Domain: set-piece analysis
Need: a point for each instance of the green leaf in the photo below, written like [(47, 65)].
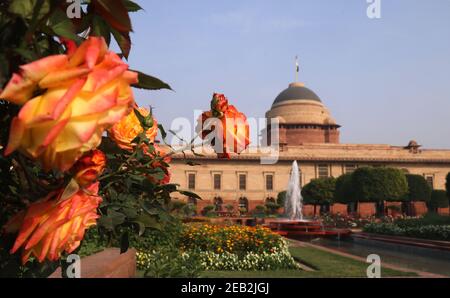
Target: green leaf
[(71, 189), (149, 221), (123, 40), (189, 194), (149, 83), (62, 26), (100, 28), (106, 222), (116, 217), (132, 6), (162, 130), (114, 13), (141, 227)]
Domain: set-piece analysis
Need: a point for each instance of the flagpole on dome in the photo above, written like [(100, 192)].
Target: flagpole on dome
[(297, 68)]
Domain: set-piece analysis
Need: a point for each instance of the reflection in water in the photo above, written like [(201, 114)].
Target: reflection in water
[(407, 256)]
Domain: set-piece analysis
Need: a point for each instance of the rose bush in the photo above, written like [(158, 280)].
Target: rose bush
[(61, 90)]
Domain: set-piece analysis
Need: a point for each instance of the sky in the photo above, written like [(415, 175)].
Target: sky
[(386, 81)]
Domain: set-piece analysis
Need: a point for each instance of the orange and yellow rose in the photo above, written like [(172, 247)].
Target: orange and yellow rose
[(51, 225), (231, 127), (129, 127), (82, 94), (89, 167)]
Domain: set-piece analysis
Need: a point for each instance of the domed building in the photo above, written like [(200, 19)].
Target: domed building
[(309, 134), (303, 117)]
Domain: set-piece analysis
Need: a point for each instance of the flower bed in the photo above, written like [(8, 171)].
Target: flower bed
[(234, 247)]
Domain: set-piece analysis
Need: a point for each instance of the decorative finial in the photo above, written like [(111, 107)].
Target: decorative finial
[(297, 68)]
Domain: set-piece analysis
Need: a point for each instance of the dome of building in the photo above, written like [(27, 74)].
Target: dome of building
[(300, 105), (296, 91)]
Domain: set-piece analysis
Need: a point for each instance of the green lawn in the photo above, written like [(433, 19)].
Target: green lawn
[(326, 265)]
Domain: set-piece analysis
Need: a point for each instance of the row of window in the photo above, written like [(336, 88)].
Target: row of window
[(217, 181), (323, 171)]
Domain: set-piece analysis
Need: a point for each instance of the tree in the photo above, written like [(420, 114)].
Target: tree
[(344, 190), (439, 199), (379, 184), (418, 189), (319, 192)]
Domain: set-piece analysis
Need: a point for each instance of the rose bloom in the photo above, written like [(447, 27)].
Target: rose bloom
[(84, 93), (129, 127), (89, 167), (51, 226), (233, 129)]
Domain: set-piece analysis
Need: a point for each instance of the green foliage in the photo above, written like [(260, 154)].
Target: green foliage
[(319, 191), (344, 189), (379, 184), (229, 207), (439, 199), (272, 207), (259, 211), (281, 198), (418, 188), (428, 219), (168, 261), (433, 232), (208, 208)]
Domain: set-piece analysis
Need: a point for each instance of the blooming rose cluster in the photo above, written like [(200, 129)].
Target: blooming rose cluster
[(79, 96)]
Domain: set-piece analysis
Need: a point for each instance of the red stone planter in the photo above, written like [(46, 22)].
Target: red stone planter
[(106, 264)]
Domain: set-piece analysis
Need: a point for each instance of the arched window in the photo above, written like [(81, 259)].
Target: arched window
[(218, 203), (243, 204)]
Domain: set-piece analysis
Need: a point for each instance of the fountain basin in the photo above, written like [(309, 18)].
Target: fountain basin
[(298, 229)]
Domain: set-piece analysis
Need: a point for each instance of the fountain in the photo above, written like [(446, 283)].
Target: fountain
[(293, 225), (293, 203)]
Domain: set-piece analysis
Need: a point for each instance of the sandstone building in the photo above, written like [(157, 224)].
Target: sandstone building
[(309, 134)]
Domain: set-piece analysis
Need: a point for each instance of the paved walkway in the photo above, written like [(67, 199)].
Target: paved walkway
[(422, 274)]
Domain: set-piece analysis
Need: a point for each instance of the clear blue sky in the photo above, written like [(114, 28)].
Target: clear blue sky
[(385, 81)]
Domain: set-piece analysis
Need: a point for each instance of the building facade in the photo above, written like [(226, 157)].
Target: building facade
[(309, 134)]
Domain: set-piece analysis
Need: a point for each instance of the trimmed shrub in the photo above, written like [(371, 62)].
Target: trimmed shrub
[(319, 191), (418, 188), (281, 198), (439, 199), (379, 184), (343, 192)]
